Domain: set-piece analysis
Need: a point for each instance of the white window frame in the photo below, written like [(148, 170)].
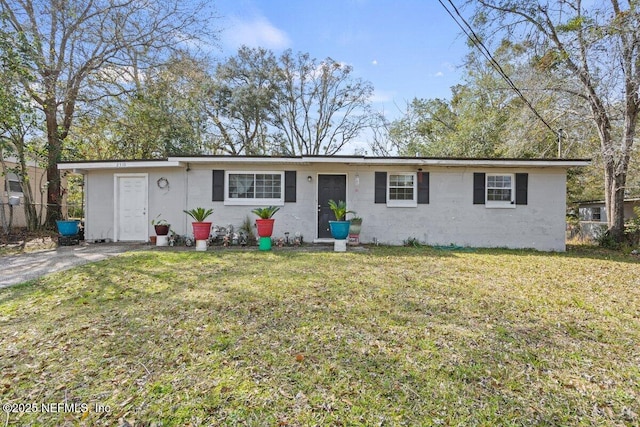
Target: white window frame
[(402, 203), (279, 201), (510, 204)]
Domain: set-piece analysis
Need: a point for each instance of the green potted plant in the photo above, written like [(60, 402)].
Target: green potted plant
[(354, 229), (201, 229), (265, 221), (161, 226), (339, 227)]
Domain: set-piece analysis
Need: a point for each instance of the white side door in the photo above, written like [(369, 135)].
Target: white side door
[(131, 200)]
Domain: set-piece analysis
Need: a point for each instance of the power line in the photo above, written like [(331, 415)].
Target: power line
[(471, 34)]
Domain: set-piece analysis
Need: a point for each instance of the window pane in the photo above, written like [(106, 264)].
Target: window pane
[(14, 187), (499, 188), (499, 181), (241, 186), (401, 187), (401, 181), (401, 193), (597, 215), (499, 195), (268, 186)]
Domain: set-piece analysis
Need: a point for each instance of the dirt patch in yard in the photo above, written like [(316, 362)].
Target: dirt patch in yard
[(19, 240)]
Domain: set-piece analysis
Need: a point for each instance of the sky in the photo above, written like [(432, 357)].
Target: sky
[(406, 48)]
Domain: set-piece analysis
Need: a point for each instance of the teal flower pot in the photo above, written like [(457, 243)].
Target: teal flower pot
[(68, 228), (339, 229)]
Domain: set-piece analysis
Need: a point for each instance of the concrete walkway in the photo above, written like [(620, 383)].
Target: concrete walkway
[(16, 269)]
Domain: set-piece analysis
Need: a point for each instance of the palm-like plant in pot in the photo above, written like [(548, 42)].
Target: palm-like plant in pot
[(201, 229), (339, 227), (265, 221)]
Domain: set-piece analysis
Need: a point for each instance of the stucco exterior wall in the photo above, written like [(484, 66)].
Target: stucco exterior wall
[(452, 218), (98, 210), (167, 202), (449, 218)]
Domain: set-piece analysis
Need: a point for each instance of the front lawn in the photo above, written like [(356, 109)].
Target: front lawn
[(392, 336)]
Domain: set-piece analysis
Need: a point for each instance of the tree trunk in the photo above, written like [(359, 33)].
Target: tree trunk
[(54, 150), (30, 214), (5, 184), (615, 205)]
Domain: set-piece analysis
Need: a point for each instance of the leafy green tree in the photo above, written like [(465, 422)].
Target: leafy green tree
[(17, 121), (77, 43), (164, 115), (240, 101), (594, 50)]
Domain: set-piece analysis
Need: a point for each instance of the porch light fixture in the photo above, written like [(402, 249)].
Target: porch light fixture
[(357, 180), (309, 178)]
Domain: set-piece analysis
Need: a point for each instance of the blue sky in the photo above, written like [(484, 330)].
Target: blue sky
[(405, 48)]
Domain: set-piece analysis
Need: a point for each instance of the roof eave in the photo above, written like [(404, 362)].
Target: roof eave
[(124, 164), (309, 160)]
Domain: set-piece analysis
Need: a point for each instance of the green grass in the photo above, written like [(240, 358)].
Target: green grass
[(392, 336)]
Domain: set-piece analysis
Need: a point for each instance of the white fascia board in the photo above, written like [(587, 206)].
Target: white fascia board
[(508, 163), (389, 161), (241, 159), (489, 163), (119, 165), (346, 160)]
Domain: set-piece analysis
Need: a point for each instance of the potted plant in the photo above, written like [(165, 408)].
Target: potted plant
[(161, 226), (201, 229), (339, 227), (265, 221), (354, 229)]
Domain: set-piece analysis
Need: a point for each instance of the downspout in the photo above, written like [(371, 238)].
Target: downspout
[(85, 202), (186, 198)]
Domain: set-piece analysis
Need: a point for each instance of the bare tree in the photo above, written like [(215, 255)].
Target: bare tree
[(595, 51), (381, 144), (319, 107), (75, 40), (240, 99)]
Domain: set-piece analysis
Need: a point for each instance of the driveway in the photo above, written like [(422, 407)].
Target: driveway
[(16, 269)]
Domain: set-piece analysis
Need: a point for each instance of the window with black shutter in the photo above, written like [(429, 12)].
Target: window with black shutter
[(218, 186), (381, 187), (290, 186)]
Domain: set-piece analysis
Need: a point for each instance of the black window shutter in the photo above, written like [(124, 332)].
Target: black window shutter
[(290, 186), (423, 187), (522, 184), (381, 187), (478, 188), (218, 186)]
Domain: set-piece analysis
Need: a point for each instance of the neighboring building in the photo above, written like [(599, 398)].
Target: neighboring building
[(593, 216), (514, 203), (37, 179)]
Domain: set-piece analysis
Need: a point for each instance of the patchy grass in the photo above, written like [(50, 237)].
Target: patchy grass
[(393, 336)]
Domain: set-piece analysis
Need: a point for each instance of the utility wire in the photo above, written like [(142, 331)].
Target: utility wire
[(471, 34)]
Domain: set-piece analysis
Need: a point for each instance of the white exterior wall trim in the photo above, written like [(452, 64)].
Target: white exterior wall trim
[(384, 161), (81, 166), (309, 160)]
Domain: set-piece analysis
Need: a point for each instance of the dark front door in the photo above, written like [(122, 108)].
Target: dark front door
[(329, 187)]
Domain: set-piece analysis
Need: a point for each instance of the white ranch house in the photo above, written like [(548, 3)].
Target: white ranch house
[(513, 203)]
